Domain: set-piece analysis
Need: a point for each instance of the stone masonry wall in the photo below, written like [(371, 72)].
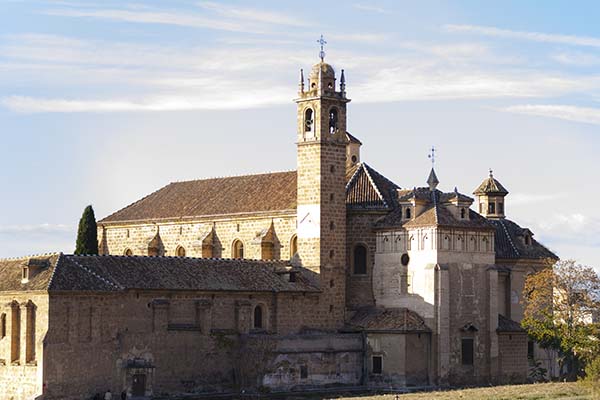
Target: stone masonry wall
[(181, 342), (359, 230), (21, 377), (189, 234), (513, 357)]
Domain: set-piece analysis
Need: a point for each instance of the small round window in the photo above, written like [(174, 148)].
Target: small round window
[(405, 259)]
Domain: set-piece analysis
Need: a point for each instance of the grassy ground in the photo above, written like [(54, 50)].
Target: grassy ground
[(571, 391)]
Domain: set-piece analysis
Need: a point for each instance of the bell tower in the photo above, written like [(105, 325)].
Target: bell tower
[(322, 142)]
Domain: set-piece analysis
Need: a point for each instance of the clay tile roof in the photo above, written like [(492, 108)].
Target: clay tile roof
[(435, 215), (218, 196), (113, 273), (508, 325), (367, 189), (117, 273), (510, 243), (11, 272), (388, 319), (352, 138), (490, 186)]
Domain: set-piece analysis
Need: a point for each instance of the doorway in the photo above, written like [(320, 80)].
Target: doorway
[(138, 385)]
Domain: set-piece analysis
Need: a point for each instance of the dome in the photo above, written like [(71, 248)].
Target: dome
[(326, 71)]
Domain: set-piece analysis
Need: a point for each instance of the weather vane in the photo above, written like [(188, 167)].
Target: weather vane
[(432, 156), (322, 42)]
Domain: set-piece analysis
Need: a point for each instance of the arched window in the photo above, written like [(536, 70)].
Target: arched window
[(360, 260), (462, 213), (237, 250), (308, 120), (258, 317), (407, 213), (180, 251), (333, 120), (128, 252), (293, 246)]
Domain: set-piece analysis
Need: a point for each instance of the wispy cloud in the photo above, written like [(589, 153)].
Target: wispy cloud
[(534, 198), (251, 14), (233, 100), (370, 8), (567, 112), (578, 59), (156, 17), (40, 228), (525, 35)]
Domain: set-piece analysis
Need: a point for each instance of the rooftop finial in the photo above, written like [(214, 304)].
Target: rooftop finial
[(301, 84), (431, 156), (322, 42), (432, 181), (491, 173), (343, 83)]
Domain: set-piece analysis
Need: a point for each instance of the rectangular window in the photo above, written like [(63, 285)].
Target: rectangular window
[(500, 208), (492, 208), (303, 372), (30, 334), (15, 334), (377, 365), (467, 351), (2, 326), (530, 352)]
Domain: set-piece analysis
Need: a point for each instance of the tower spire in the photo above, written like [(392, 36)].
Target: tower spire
[(432, 181), (343, 83)]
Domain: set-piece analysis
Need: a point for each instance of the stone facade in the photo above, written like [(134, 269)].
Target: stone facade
[(369, 284)]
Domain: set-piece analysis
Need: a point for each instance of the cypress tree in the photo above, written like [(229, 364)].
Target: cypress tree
[(87, 235)]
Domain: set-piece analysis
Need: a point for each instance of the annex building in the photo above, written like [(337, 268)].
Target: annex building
[(330, 275)]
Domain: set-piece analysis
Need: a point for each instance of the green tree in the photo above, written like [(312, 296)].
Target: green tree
[(559, 304), (87, 234)]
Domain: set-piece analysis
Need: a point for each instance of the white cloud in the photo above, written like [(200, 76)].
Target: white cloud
[(533, 198), (570, 113), (524, 35), (370, 8), (35, 228), (256, 15), (578, 59), (157, 17), (427, 80), (232, 100)]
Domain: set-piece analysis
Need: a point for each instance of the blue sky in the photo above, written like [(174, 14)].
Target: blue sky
[(104, 102)]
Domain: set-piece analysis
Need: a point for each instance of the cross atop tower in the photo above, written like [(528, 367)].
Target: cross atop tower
[(322, 42), (431, 156)]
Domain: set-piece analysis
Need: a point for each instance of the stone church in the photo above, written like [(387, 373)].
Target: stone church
[(330, 275)]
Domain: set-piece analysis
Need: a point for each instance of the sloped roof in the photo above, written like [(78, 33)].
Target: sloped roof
[(277, 191), (508, 325), (367, 189), (388, 319), (352, 138), (11, 273), (232, 195), (116, 273), (490, 186), (436, 213), (510, 244)]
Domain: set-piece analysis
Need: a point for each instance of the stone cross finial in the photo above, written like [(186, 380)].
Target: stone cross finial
[(322, 42)]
